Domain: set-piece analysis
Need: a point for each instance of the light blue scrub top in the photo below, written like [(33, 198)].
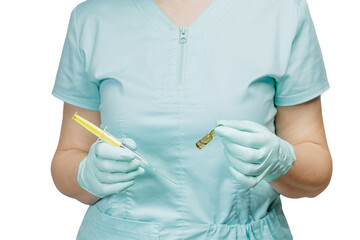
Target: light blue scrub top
[(166, 88)]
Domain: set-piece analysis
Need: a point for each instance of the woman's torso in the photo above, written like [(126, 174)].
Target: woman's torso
[(166, 95)]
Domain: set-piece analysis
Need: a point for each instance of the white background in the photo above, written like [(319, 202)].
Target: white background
[(32, 37)]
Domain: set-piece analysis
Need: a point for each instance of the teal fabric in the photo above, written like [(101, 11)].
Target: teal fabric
[(242, 59)]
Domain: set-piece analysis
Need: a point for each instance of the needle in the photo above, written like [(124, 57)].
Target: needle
[(107, 137)]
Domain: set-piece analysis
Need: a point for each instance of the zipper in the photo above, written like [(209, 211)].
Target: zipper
[(182, 56)]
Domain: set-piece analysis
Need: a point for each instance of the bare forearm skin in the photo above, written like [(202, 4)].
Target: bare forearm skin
[(64, 170), (310, 173)]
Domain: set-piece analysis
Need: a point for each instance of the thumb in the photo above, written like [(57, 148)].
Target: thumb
[(129, 142)]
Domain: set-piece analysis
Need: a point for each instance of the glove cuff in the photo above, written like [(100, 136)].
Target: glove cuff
[(82, 177), (285, 161)]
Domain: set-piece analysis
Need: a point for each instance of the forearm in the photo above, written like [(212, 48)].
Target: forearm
[(309, 175), (64, 171)]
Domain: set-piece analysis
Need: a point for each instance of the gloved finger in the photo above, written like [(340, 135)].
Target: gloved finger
[(246, 154), (248, 169), (129, 142), (247, 139), (112, 166), (243, 125), (108, 189), (106, 151), (245, 181), (106, 177)]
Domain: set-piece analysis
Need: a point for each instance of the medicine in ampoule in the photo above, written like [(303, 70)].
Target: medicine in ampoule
[(205, 139)]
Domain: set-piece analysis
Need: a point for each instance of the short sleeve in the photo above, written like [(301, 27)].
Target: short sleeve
[(72, 84), (305, 76)]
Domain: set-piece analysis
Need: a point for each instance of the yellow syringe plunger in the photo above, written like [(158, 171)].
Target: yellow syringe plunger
[(97, 131)]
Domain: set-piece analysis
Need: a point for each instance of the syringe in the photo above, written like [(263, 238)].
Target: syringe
[(107, 137)]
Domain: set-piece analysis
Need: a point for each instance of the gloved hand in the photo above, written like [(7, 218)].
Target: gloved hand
[(254, 153), (107, 169)]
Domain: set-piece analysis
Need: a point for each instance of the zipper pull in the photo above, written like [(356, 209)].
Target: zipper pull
[(182, 41), (183, 32)]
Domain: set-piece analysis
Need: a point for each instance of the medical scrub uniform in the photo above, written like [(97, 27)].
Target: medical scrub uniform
[(166, 87)]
